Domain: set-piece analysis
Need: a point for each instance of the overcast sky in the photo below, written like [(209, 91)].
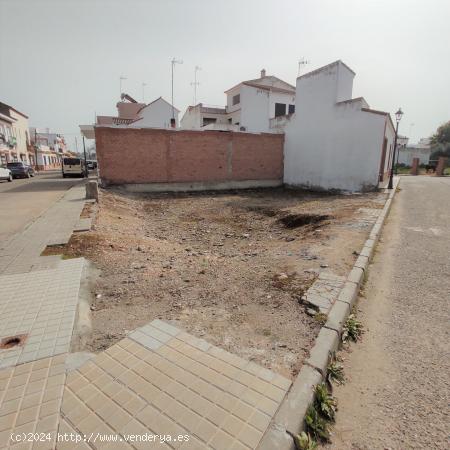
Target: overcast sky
[(60, 60)]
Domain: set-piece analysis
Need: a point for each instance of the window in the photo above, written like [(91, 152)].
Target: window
[(229, 120), (208, 120), (291, 109), (280, 109), (236, 99)]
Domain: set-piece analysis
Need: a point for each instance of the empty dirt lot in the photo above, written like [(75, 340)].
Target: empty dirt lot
[(229, 267)]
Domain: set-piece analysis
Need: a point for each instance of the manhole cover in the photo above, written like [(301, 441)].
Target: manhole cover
[(13, 341)]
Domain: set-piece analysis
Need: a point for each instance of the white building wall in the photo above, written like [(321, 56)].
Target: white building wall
[(191, 119), (156, 115), (255, 108), (280, 97), (20, 131), (330, 146), (406, 155)]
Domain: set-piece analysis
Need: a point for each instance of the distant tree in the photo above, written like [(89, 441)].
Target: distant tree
[(440, 142)]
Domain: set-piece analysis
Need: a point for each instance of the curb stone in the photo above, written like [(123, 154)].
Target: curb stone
[(290, 417), (327, 342)]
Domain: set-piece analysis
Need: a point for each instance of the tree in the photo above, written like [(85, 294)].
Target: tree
[(440, 142)]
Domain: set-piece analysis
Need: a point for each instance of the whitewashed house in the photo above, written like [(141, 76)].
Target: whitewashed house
[(421, 150), (250, 107), (157, 114), (333, 141)]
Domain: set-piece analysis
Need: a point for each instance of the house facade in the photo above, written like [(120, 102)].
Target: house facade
[(421, 150), (251, 105), (157, 114), (335, 142), (49, 148), (14, 139)]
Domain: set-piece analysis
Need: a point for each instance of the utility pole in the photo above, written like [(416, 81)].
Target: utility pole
[(35, 149), (195, 83), (174, 61), (302, 62), (143, 92), (120, 84)]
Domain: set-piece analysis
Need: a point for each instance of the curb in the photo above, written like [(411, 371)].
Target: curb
[(289, 420)]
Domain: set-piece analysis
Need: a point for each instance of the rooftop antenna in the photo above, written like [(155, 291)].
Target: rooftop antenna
[(195, 83), (302, 62), (122, 78), (143, 92), (174, 61)]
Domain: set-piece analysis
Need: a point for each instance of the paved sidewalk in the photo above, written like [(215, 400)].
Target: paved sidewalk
[(22, 252), (39, 306), (158, 380)]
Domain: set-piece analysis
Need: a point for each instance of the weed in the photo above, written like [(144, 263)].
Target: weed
[(304, 441), (320, 318), (352, 329), (317, 425), (335, 373), (325, 402)]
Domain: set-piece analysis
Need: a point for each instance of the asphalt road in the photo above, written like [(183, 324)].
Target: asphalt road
[(397, 395), (24, 200)]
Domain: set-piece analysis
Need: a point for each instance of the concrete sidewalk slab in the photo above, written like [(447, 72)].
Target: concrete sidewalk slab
[(40, 305), (163, 380), (30, 402)]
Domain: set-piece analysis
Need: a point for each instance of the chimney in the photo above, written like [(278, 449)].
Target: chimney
[(263, 73)]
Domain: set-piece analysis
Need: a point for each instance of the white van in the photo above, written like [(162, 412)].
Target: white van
[(72, 167)]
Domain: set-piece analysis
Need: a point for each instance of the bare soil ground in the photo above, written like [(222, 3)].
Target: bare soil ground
[(228, 267)]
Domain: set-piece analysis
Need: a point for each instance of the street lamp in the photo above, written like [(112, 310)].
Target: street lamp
[(398, 117)]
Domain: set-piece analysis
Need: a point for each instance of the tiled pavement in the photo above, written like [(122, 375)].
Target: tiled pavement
[(42, 306), (324, 291), (30, 401), (162, 380), (159, 380), (22, 253)]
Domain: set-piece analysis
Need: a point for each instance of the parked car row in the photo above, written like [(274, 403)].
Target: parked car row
[(16, 170)]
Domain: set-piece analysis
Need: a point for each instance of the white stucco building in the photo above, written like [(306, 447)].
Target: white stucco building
[(250, 106), (421, 150), (157, 114), (333, 141)]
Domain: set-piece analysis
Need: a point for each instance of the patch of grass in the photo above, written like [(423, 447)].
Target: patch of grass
[(304, 441), (324, 402), (352, 330), (316, 425)]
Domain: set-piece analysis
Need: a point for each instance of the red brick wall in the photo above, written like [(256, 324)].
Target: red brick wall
[(127, 155)]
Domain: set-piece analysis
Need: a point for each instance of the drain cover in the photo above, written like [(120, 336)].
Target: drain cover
[(13, 341)]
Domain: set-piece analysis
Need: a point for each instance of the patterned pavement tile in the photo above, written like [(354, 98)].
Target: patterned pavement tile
[(30, 402), (40, 305), (162, 380)]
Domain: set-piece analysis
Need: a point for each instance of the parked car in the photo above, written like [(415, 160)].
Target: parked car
[(20, 169), (91, 164), (5, 174), (73, 166)]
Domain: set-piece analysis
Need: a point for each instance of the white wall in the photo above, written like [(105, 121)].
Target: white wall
[(406, 155), (329, 145), (280, 97), (191, 118), (156, 115), (255, 109)]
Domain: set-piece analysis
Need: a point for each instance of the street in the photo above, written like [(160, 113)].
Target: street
[(24, 200), (397, 392)]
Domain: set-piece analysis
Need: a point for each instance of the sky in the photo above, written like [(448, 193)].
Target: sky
[(61, 60)]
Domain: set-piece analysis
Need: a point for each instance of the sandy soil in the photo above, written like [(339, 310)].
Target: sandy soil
[(228, 267), (397, 393)]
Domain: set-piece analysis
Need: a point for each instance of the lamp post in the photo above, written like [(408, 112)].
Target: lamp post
[(398, 117)]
